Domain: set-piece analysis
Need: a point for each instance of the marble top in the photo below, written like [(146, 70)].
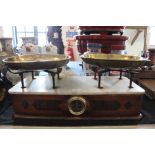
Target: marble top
[(76, 85)]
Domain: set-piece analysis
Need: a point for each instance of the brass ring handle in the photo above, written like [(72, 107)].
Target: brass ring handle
[(77, 105)]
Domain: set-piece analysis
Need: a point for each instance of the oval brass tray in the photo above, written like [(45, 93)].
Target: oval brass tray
[(114, 60), (36, 62)]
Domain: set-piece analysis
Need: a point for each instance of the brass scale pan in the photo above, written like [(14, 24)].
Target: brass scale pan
[(45, 61), (50, 61), (114, 60), (36, 62)]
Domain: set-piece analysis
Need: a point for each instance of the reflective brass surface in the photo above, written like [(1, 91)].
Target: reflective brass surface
[(37, 61), (114, 60), (35, 58), (77, 105), (111, 57)]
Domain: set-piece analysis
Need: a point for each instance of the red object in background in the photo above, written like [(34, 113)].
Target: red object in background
[(69, 50), (70, 53), (103, 35), (109, 42), (28, 48), (101, 29), (152, 55)]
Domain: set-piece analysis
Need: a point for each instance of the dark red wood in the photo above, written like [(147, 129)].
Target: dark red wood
[(152, 55), (109, 42), (100, 27), (98, 105)]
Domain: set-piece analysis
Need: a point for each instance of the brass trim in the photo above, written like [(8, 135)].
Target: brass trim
[(75, 98), (137, 117)]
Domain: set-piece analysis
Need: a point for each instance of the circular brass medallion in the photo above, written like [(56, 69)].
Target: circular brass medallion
[(77, 105)]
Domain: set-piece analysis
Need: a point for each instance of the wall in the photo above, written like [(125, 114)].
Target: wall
[(1, 31), (6, 31), (151, 37), (138, 45)]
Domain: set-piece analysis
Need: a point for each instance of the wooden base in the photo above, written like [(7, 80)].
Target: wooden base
[(79, 102), (74, 121)]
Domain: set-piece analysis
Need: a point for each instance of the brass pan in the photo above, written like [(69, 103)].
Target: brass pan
[(114, 60), (36, 62)]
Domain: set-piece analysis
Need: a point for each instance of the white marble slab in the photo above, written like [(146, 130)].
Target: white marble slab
[(76, 85)]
